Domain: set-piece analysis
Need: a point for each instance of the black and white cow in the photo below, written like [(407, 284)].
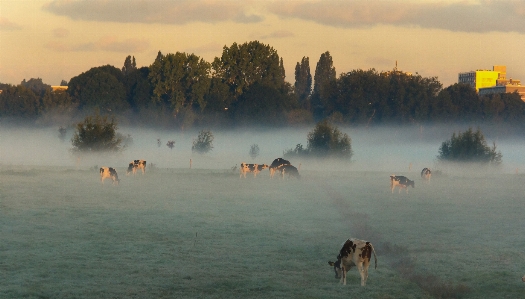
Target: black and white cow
[(109, 173), (135, 165), (255, 168), (426, 174), (354, 252), (401, 181), (290, 170), (276, 165)]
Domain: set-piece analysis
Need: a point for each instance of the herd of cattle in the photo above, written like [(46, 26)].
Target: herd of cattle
[(354, 252), (278, 165)]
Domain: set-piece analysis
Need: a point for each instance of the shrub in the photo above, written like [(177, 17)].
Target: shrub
[(203, 143), (96, 134), (170, 144), (327, 141), (254, 151), (299, 151), (469, 146)]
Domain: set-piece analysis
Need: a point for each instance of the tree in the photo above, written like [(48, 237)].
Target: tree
[(36, 85), (469, 146), (324, 75), (327, 141), (180, 80), (96, 134), (203, 143), (99, 88), (129, 65), (241, 66), (254, 151), (303, 82), (19, 101)]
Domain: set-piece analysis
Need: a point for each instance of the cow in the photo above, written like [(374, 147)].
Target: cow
[(426, 174), (290, 170), (276, 164), (354, 252), (136, 164), (523, 278), (255, 168), (109, 173), (401, 181)]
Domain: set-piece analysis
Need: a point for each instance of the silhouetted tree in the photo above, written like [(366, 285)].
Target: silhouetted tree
[(469, 146), (303, 82), (254, 151), (203, 143), (96, 134), (99, 88), (327, 141), (324, 76)]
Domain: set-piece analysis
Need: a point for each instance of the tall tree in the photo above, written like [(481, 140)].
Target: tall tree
[(180, 80), (303, 82), (129, 65), (324, 76), (241, 66)]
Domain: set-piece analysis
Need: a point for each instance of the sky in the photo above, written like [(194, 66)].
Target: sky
[(59, 39)]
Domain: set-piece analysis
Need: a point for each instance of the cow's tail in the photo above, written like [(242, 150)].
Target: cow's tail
[(375, 257)]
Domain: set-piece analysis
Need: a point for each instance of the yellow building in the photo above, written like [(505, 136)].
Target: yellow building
[(482, 78)]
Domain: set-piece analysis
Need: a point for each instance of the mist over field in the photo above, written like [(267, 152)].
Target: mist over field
[(393, 149), (203, 232)]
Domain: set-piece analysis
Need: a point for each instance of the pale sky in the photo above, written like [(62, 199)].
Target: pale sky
[(60, 39)]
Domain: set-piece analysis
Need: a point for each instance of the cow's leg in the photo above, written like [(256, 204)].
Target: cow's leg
[(343, 274), (362, 272)]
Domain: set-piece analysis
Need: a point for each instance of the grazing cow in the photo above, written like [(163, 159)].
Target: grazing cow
[(255, 168), (276, 164), (354, 252), (400, 181), (290, 170), (426, 174), (523, 278), (136, 164), (109, 173)]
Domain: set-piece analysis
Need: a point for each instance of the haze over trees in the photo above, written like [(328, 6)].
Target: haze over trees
[(246, 86)]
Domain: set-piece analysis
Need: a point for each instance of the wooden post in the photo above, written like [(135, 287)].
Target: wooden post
[(190, 163)]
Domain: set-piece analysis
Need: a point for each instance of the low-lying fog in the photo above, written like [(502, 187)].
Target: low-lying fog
[(392, 149)]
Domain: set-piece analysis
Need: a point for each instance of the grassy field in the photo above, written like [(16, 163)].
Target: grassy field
[(181, 233)]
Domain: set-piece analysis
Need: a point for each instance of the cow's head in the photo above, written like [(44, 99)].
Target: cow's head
[(411, 183), (130, 169), (337, 268)]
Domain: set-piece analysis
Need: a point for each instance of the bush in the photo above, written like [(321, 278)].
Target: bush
[(254, 151), (96, 134), (203, 143), (299, 151), (469, 146), (327, 141)]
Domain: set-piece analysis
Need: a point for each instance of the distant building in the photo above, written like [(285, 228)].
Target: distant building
[(492, 82), (56, 87)]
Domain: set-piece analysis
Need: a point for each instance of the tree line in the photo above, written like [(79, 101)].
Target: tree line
[(246, 86)]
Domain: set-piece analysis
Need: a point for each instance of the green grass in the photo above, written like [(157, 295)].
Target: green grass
[(180, 233)]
